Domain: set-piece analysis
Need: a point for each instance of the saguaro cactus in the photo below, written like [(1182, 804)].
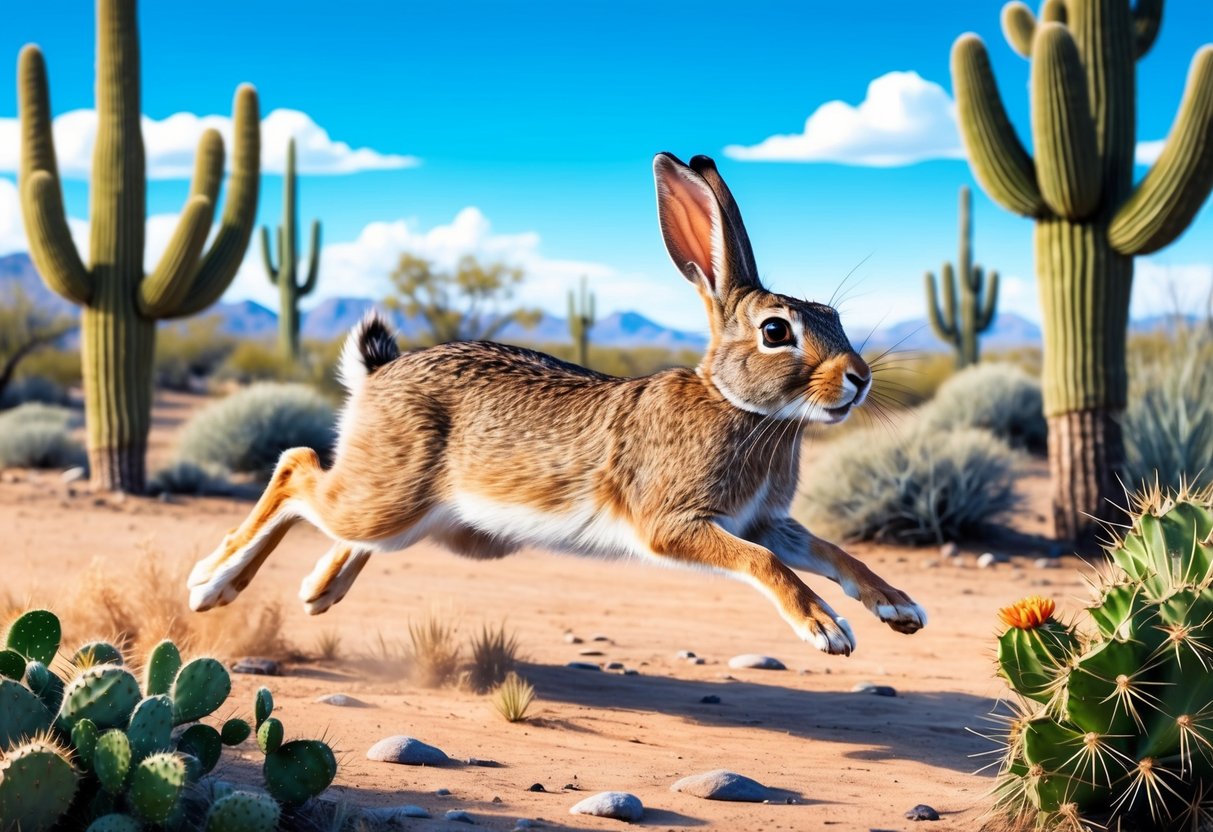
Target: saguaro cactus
[(284, 275), (581, 321), (978, 296), (1090, 219), (120, 303)]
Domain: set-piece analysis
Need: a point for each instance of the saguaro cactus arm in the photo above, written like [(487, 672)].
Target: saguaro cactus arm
[(997, 156), (989, 300), (313, 261), (267, 253), (1178, 183), (1053, 11), (220, 263), (1018, 27), (1067, 157), (943, 321), (50, 239), (1147, 18)]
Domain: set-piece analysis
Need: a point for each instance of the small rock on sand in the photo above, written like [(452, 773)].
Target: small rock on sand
[(394, 814), (922, 812), (949, 550), (406, 751), (72, 475), (600, 637), (723, 785), (257, 666), (614, 666), (683, 655), (589, 653), (459, 816), (582, 666), (616, 805), (569, 638), (754, 661), (1047, 563), (987, 561), (341, 700), (442, 792), (874, 689), (536, 787)]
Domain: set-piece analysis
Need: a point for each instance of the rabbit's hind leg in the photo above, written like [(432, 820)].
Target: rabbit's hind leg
[(333, 576), (217, 579)]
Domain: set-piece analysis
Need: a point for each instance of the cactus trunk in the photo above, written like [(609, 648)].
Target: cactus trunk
[(115, 351), (284, 274)]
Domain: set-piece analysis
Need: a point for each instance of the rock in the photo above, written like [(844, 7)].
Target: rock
[(582, 666), (986, 561), (497, 799), (569, 638), (600, 637), (394, 814), (459, 816), (616, 805), (536, 787), (696, 660), (874, 690), (571, 787), (724, 785), (753, 661), (590, 653), (442, 792), (949, 550), (631, 671), (72, 475), (683, 655), (922, 812), (257, 666), (710, 699), (342, 700), (406, 751), (614, 666), (1047, 563)]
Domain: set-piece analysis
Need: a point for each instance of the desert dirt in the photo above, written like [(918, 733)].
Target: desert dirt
[(854, 761)]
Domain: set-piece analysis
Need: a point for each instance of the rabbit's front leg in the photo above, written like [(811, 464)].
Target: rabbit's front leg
[(793, 544), (696, 542)]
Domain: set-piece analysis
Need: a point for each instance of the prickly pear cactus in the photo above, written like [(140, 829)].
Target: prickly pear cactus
[(37, 784), (201, 687), (22, 714), (1114, 721), (95, 653), (35, 635), (243, 812), (299, 770), (106, 694), (163, 664), (156, 785)]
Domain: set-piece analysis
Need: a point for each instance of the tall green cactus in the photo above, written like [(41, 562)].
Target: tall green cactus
[(581, 321), (1091, 221), (120, 303), (978, 296), (284, 275)]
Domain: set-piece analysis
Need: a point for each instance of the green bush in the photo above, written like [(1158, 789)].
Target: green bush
[(187, 353), (61, 366), (247, 431), (36, 436), (923, 486), (1000, 398), (253, 361), (33, 389), (185, 477)]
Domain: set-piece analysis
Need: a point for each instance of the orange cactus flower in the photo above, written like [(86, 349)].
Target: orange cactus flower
[(1028, 613)]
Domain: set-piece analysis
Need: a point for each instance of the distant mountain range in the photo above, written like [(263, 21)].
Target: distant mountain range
[(333, 317)]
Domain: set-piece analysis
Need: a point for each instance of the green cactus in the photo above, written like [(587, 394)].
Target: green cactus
[(37, 784), (299, 770), (269, 736), (156, 785), (12, 665), (151, 727), (22, 714), (96, 652), (44, 684), (285, 274), (1116, 722), (35, 635), (120, 303), (163, 664), (581, 321), (84, 738), (1090, 219), (200, 688), (203, 743), (115, 823), (106, 694), (978, 294), (112, 760), (243, 812), (263, 706), (235, 731)]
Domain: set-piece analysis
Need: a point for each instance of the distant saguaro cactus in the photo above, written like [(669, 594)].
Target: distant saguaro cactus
[(1090, 219), (284, 276), (581, 321), (978, 295), (120, 303)]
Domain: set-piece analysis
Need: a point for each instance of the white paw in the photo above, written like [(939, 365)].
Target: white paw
[(837, 641), (902, 617), (211, 595)]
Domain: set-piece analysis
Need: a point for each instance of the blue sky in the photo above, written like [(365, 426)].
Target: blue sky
[(526, 131)]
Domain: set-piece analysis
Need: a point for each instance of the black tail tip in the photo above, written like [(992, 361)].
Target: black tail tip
[(376, 342)]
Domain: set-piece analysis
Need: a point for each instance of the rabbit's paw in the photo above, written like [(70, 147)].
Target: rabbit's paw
[(895, 608), (829, 635)]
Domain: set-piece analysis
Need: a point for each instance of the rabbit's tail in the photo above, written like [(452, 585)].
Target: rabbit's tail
[(369, 346)]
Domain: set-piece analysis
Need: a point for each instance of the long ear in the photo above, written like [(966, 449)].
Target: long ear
[(706, 168), (697, 234)]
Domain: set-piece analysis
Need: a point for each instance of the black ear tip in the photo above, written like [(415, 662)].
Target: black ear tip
[(701, 163), (667, 158)]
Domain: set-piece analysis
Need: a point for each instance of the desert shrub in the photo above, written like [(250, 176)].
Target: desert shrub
[(247, 431), (908, 378), (61, 366), (494, 655), (328, 644), (187, 353), (922, 486), (186, 477), (1168, 425), (997, 397), (253, 361), (36, 436), (513, 698), (434, 652), (33, 389)]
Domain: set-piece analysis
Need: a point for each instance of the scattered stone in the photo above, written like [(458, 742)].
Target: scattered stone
[(72, 475), (874, 690), (442, 792), (497, 799), (407, 751), (631, 671), (588, 653), (986, 561), (1047, 563), (600, 637), (536, 787), (257, 666), (614, 666), (949, 550), (754, 661), (697, 660), (616, 805), (342, 700), (710, 699), (724, 785), (394, 814), (922, 812), (582, 666), (685, 654), (459, 816), (569, 638), (572, 787)]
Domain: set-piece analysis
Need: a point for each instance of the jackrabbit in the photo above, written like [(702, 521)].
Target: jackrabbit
[(486, 448)]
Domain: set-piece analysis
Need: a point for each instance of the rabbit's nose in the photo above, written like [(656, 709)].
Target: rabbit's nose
[(858, 380)]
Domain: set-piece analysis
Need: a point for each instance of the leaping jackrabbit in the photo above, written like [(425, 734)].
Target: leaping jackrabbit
[(486, 448)]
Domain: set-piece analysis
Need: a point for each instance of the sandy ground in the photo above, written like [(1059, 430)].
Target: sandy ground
[(854, 761)]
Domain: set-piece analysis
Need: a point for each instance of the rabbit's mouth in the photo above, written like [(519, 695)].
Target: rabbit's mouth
[(837, 414)]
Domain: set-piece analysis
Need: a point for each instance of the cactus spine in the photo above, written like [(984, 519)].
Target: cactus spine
[(581, 321), (1090, 219), (120, 303), (978, 295), (284, 275)]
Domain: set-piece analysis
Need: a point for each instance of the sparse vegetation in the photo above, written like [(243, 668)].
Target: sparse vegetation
[(186, 477), (992, 396), (24, 329), (434, 650), (37, 436), (33, 390), (922, 486), (328, 644), (513, 698), (494, 655), (247, 431), (187, 354)]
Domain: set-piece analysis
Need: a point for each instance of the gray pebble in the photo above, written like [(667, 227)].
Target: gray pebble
[(949, 550), (631, 671), (697, 660), (536, 787), (684, 655), (569, 638), (922, 812), (406, 751), (1047, 563), (582, 666), (442, 792), (754, 661), (459, 816), (589, 653), (391, 814), (257, 666), (986, 561), (724, 785), (616, 805), (341, 700), (614, 666), (874, 690), (600, 637), (72, 475)]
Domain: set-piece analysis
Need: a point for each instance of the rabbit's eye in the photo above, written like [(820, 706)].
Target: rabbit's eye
[(776, 332)]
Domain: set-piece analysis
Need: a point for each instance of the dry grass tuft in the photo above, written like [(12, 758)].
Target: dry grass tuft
[(514, 697), (434, 650), (328, 644), (494, 655)]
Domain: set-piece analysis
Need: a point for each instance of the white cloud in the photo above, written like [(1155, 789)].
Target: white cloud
[(171, 145), (903, 119), (1161, 289), (1148, 152), (12, 231)]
